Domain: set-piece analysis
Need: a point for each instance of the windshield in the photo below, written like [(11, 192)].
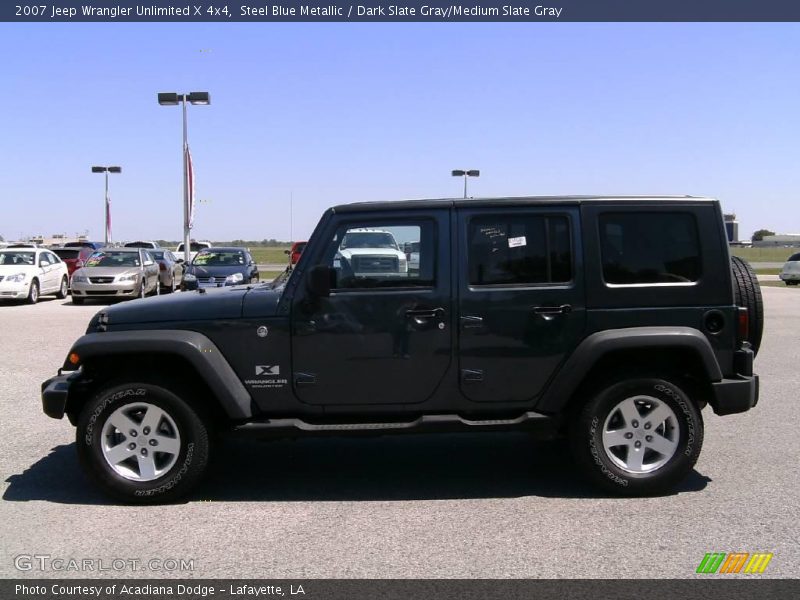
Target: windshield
[(219, 258), (66, 253), (368, 239), (794, 258), (139, 245), (113, 259), (17, 258)]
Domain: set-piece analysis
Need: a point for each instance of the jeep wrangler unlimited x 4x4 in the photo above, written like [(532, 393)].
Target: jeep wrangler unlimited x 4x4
[(614, 320)]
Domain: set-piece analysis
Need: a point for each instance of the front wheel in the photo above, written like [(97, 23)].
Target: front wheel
[(62, 290), (33, 292), (638, 437), (142, 443)]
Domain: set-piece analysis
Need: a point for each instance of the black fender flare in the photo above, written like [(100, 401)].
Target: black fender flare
[(572, 373), (199, 351)]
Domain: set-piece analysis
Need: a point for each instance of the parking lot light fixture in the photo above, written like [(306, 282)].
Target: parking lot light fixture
[(466, 174), (173, 99), (107, 202)]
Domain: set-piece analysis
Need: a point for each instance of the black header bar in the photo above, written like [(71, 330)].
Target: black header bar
[(410, 11)]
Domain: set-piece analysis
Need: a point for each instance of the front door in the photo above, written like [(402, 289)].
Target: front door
[(521, 299), (383, 335)]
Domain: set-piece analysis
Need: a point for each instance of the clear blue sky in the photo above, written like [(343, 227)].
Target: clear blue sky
[(335, 113)]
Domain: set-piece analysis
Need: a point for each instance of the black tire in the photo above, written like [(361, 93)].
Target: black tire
[(33, 292), (143, 289), (747, 293), (77, 300), (192, 439), (599, 464), (62, 291)]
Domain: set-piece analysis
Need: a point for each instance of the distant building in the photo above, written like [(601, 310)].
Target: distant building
[(790, 240), (57, 239), (731, 227)]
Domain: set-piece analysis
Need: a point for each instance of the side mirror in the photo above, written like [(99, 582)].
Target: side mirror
[(319, 280), (287, 252), (179, 261)]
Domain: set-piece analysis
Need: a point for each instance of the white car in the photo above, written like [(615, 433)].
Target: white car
[(194, 248), (28, 273), (790, 274), (371, 252)]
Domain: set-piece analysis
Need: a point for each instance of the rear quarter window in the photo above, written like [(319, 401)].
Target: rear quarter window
[(649, 248)]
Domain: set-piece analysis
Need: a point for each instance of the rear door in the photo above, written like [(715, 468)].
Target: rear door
[(521, 298), (383, 335)]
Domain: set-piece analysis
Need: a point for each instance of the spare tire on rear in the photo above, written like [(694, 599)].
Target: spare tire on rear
[(747, 293)]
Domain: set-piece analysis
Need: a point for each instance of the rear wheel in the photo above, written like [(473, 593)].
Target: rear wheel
[(62, 290), (142, 443), (747, 293), (638, 437), (33, 292)]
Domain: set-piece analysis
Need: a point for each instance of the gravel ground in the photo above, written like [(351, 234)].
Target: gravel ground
[(460, 505)]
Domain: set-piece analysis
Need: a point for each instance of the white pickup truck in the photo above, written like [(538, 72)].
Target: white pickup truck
[(372, 252)]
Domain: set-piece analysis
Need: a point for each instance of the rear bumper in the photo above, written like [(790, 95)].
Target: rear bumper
[(736, 395), (739, 393)]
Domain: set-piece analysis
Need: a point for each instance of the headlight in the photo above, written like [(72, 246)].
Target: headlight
[(189, 277), (234, 279), (132, 277), (80, 278), (16, 278)]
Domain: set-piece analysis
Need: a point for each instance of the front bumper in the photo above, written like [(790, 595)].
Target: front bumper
[(14, 291), (55, 393), (121, 289)]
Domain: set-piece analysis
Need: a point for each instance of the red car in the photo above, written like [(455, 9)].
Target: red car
[(73, 257), (296, 251)]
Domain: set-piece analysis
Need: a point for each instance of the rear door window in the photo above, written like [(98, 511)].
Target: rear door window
[(519, 250)]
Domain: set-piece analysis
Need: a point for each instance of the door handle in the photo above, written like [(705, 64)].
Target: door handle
[(471, 322), (305, 379), (552, 310), (426, 313)]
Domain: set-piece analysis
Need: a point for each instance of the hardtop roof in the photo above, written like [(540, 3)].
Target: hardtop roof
[(514, 201)]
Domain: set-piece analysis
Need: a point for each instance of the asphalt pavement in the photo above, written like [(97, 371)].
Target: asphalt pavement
[(491, 505)]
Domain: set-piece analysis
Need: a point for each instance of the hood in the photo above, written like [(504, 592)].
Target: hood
[(108, 271), (371, 252), (222, 271), (11, 269), (210, 305)]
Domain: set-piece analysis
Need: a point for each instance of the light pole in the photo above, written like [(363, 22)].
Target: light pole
[(173, 99), (107, 203), (465, 174)]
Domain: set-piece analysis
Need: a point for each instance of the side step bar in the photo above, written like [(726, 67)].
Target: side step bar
[(455, 422)]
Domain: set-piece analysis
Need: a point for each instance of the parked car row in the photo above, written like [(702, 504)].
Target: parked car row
[(133, 271)]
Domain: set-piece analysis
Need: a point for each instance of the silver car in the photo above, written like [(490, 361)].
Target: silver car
[(116, 273), (790, 274)]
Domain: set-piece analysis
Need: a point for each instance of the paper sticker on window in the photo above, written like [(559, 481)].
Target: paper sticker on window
[(516, 242)]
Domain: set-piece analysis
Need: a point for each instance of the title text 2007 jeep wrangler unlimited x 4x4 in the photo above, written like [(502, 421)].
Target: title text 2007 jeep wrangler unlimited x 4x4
[(617, 320)]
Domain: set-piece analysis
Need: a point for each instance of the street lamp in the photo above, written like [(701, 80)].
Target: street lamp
[(173, 99), (107, 170), (465, 174)]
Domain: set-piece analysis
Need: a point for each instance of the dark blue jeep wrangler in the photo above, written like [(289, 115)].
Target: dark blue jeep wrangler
[(614, 321)]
